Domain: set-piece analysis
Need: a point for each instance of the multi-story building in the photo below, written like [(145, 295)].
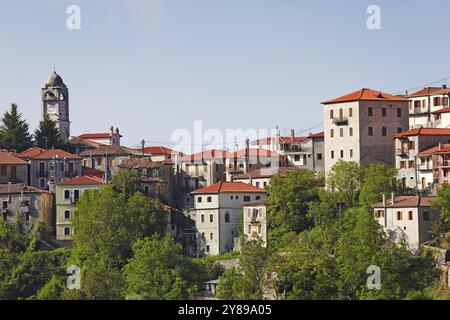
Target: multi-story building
[(67, 194), (408, 217), (157, 178), (359, 127), (162, 154), (12, 169), (423, 103), (218, 210), (302, 152), (197, 171), (30, 205), (407, 146), (260, 178), (246, 160), (440, 158), (90, 141), (108, 158), (255, 221), (47, 167)]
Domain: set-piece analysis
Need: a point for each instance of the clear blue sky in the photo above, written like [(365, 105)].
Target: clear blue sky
[(153, 66)]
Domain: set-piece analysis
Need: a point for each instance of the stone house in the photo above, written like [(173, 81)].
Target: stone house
[(12, 169), (423, 106), (255, 221), (359, 127), (217, 213), (29, 204)]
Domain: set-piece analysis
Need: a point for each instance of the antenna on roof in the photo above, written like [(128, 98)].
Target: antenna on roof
[(54, 67)]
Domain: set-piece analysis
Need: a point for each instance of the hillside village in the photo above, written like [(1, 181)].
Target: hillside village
[(214, 199)]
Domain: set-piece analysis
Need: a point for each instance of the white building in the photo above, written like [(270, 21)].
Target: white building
[(412, 171), (300, 152), (408, 217), (359, 127), (255, 221), (218, 212), (423, 103)]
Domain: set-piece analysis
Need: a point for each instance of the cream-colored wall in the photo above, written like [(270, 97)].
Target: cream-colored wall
[(63, 204), (346, 142), (223, 232)]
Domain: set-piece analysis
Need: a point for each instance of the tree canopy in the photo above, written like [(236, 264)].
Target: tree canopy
[(14, 131), (47, 135)]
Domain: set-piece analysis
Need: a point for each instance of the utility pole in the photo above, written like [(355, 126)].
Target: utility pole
[(143, 146)]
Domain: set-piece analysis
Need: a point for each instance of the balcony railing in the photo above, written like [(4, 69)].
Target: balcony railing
[(444, 164), (341, 121), (402, 152)]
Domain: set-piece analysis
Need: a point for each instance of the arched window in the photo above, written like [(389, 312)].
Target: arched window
[(67, 214), (61, 97)]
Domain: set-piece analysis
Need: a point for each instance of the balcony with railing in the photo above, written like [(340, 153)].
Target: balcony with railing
[(401, 152), (443, 163), (341, 121)]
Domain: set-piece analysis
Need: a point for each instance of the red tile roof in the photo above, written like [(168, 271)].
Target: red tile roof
[(19, 187), (93, 172), (366, 95), (407, 202), (205, 155), (50, 154), (229, 187), (445, 110), (423, 132), (30, 153), (81, 181), (7, 158), (317, 135), (426, 91), (105, 135), (161, 150)]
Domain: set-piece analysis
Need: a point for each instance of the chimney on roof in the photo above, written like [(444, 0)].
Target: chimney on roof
[(392, 198), (440, 146), (292, 134), (444, 86), (384, 199)]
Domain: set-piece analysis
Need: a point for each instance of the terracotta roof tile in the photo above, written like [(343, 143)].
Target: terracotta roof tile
[(81, 181), (407, 202), (229, 187), (366, 95), (50, 154), (7, 158), (19, 187), (427, 91), (423, 132), (30, 153), (205, 155)]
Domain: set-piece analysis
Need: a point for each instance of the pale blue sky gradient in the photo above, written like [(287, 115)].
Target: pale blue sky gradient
[(153, 66)]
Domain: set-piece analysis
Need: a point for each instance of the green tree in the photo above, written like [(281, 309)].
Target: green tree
[(345, 178), (47, 135), (14, 131), (158, 271), (249, 281), (289, 198), (377, 180), (228, 284), (330, 261)]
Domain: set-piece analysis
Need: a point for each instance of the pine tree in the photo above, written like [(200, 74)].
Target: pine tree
[(47, 136), (14, 131)]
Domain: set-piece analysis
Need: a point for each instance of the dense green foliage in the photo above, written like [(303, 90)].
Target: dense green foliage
[(14, 131), (48, 136)]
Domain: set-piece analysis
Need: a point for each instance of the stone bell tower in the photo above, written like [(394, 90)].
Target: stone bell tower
[(55, 103)]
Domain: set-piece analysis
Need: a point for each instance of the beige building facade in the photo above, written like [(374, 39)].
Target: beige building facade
[(359, 127), (217, 212)]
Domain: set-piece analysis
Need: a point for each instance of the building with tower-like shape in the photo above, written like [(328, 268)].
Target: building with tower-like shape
[(55, 103)]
